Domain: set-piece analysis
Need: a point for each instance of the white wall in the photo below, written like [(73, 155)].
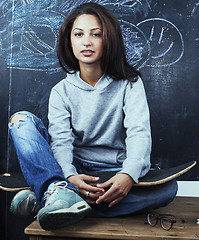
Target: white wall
[(188, 188)]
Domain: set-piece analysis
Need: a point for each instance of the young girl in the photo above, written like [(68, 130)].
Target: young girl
[(98, 121)]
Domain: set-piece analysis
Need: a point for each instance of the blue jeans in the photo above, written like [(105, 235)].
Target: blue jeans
[(40, 168)]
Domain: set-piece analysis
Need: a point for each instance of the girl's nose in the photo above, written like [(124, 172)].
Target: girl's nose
[(87, 44), (86, 41)]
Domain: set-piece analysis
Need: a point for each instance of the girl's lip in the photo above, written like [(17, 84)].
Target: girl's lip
[(87, 52)]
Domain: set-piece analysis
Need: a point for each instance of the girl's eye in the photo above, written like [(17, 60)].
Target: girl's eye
[(78, 34), (97, 34)]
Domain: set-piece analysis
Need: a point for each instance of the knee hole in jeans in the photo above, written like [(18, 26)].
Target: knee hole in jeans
[(15, 119)]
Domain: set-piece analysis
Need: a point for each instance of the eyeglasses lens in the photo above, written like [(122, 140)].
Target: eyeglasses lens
[(166, 223), (152, 219)]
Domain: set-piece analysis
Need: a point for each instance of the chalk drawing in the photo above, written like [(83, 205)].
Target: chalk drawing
[(136, 43), (67, 6), (154, 42), (118, 3), (166, 42), (37, 33), (194, 8), (28, 1), (10, 85), (128, 9)]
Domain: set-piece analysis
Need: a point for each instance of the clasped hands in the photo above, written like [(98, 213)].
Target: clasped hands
[(111, 191)]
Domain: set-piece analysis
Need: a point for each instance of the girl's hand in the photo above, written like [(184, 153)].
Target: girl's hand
[(84, 188), (119, 186)]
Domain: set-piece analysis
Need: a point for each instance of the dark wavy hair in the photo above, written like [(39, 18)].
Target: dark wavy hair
[(113, 62)]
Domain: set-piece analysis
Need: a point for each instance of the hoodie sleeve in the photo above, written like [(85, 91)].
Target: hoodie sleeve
[(138, 133), (61, 133)]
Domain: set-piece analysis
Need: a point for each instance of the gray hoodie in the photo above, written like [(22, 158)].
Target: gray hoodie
[(107, 124)]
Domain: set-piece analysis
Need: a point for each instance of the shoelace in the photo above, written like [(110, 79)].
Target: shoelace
[(56, 186)]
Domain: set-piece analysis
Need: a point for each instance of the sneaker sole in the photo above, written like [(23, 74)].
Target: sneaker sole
[(64, 217)]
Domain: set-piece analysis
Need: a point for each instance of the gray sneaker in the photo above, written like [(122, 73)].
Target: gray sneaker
[(24, 203), (62, 207)]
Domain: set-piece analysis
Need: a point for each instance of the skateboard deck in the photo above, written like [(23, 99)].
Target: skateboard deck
[(16, 182), (13, 182), (153, 177)]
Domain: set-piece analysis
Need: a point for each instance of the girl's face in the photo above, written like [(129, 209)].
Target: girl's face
[(86, 40)]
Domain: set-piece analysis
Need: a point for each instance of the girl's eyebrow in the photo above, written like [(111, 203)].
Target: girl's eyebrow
[(92, 29)]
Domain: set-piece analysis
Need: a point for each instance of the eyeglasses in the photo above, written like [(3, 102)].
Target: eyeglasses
[(166, 221)]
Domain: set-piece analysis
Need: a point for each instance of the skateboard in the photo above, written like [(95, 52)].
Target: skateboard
[(13, 182), (153, 177), (16, 182)]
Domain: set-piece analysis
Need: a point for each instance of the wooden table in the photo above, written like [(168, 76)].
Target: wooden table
[(128, 227)]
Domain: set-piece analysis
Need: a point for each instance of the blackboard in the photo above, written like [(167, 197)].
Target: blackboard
[(162, 41)]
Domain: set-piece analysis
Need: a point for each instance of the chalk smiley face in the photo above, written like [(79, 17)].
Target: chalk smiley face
[(166, 42), (153, 42)]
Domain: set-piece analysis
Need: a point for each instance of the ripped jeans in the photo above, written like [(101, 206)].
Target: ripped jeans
[(40, 168)]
